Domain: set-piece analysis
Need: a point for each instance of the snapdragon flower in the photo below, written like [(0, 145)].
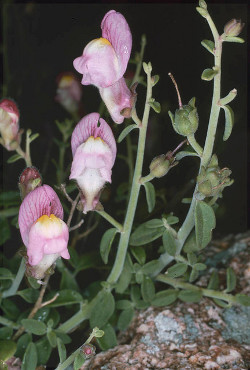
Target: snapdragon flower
[(43, 231), (104, 62), (9, 126), (94, 151)]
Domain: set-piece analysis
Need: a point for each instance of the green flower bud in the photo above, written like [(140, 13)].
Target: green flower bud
[(233, 28), (186, 120), (159, 166)]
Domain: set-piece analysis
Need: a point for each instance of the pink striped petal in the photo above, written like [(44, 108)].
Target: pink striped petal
[(116, 29), (117, 98), (88, 126), (98, 64), (41, 201)]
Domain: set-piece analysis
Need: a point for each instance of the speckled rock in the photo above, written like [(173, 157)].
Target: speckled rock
[(190, 335)]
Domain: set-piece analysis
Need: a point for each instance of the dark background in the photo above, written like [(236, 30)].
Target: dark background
[(41, 41)]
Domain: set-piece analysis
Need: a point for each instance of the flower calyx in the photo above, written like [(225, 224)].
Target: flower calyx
[(29, 180)]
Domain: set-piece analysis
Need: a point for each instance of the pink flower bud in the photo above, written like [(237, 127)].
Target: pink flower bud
[(42, 229), (69, 92), (88, 350), (9, 127), (94, 151), (233, 28), (29, 180)]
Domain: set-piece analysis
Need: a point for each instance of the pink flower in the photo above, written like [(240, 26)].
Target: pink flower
[(94, 151), (9, 127), (42, 229), (104, 62), (69, 92)]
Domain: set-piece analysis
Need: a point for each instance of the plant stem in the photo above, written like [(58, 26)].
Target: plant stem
[(124, 239), (195, 145), (17, 281), (24, 156), (111, 220), (147, 178), (177, 283), (139, 64)]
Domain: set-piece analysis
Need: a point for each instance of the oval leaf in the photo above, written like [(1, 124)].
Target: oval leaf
[(229, 121), (190, 295), (106, 243), (7, 349), (213, 281), (14, 158), (234, 39), (169, 243), (125, 132), (30, 358), (66, 297), (29, 295), (139, 254), (209, 45), (147, 289), (243, 299), (150, 195), (186, 153), (204, 223), (102, 310), (177, 270), (155, 105), (79, 361), (151, 267), (109, 338), (165, 297), (208, 74), (44, 350), (34, 326), (144, 235), (125, 318)]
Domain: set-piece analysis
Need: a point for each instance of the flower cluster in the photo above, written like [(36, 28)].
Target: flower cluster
[(104, 62)]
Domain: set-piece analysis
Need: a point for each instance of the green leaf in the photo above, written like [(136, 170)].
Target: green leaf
[(4, 230), (10, 309), (6, 332), (169, 243), (68, 280), (208, 74), (145, 234), (194, 275), (155, 79), (139, 277), (154, 223), (61, 350), (106, 243), (125, 277), (7, 349), (190, 295), (29, 295), (79, 361), (6, 274), (125, 318), (63, 336), (200, 266), (231, 280), (150, 267), (103, 309), (234, 39), (229, 121), (172, 220), (155, 105), (22, 344), (66, 297), (192, 259), (34, 326), (209, 45), (44, 350), (177, 270), (141, 305), (221, 303), (9, 198), (204, 223), (135, 293), (109, 338), (123, 304), (243, 299), (125, 132), (190, 244), (33, 282), (139, 254), (33, 137), (14, 158), (147, 289), (51, 335), (185, 153), (213, 281), (165, 298), (30, 358), (150, 195), (88, 260)]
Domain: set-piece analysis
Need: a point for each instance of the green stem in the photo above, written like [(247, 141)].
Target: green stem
[(16, 282), (147, 178), (177, 283), (111, 220), (69, 360), (24, 156), (195, 145), (139, 64), (130, 159), (124, 239)]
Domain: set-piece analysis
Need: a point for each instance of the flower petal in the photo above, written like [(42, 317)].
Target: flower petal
[(98, 64), (116, 29), (88, 126), (117, 98), (41, 201)]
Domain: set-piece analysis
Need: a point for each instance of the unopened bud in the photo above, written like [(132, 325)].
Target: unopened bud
[(233, 27), (9, 126), (159, 166), (29, 180), (88, 350), (186, 120)]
